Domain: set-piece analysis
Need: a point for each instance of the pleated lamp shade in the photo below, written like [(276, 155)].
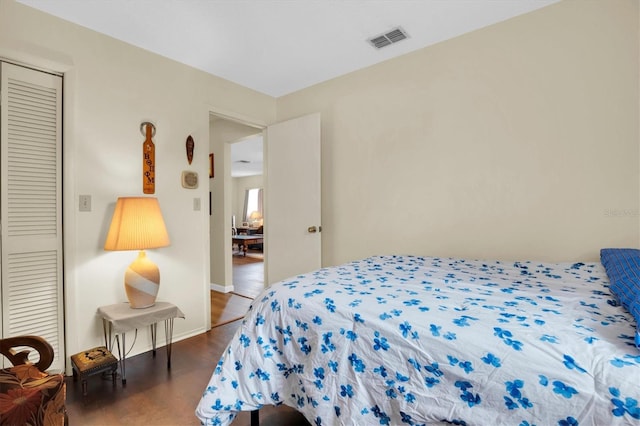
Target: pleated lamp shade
[(137, 224)]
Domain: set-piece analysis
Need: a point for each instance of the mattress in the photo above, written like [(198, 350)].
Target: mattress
[(392, 340)]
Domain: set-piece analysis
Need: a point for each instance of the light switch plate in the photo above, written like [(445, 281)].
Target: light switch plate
[(84, 203)]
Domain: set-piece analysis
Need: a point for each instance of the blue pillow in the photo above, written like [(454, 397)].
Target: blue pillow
[(623, 270)]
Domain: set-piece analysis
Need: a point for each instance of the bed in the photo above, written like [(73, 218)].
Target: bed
[(393, 340)]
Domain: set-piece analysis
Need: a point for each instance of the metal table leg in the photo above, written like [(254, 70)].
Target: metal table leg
[(168, 334), (106, 326), (122, 355), (107, 329), (154, 334)]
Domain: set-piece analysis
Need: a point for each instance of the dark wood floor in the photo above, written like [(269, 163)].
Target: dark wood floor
[(155, 395), (248, 282)]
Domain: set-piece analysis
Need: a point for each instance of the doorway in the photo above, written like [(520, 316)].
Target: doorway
[(292, 176), (237, 272), (247, 219)]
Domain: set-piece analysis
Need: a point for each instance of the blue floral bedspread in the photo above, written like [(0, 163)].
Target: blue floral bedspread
[(394, 340)]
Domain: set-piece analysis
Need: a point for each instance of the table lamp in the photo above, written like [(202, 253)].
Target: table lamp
[(255, 217), (137, 224)]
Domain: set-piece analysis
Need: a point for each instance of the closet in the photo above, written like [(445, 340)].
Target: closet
[(31, 206)]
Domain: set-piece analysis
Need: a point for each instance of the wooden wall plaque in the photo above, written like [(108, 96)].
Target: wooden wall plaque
[(148, 162)]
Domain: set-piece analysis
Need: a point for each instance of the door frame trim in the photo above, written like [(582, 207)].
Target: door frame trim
[(245, 120)]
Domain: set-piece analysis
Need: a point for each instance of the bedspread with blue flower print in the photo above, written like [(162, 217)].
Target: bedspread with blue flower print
[(393, 340)]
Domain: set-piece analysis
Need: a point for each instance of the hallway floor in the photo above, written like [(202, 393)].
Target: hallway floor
[(248, 282)]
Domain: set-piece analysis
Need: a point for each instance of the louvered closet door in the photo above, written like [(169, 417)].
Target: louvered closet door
[(30, 206)]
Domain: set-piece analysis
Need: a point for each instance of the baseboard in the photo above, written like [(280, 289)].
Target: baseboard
[(221, 288)]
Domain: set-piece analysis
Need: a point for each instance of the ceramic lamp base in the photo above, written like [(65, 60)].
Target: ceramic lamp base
[(142, 282)]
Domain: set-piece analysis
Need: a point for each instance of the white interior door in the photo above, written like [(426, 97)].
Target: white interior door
[(292, 198)]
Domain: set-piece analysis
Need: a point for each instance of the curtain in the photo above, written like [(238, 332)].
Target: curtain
[(260, 208), (246, 213)]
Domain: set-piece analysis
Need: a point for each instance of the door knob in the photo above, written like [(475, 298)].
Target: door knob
[(311, 229)]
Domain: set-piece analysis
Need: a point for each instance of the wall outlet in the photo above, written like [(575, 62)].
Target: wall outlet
[(84, 203)]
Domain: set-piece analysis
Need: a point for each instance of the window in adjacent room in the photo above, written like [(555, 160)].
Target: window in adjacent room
[(253, 206)]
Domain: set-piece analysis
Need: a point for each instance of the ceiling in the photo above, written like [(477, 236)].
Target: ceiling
[(246, 157), (277, 47), (280, 46)]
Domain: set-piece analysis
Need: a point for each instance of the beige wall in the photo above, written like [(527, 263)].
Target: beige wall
[(109, 89), (519, 140)]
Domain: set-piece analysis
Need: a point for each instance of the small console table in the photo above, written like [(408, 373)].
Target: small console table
[(120, 318)]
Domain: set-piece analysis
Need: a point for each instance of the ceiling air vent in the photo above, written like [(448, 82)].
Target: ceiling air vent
[(393, 36)]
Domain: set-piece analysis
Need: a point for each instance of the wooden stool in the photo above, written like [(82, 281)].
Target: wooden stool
[(93, 361)]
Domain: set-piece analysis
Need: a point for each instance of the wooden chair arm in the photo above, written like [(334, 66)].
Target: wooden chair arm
[(38, 343)]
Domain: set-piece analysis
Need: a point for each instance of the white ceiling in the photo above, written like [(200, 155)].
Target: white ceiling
[(246, 157), (279, 46)]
